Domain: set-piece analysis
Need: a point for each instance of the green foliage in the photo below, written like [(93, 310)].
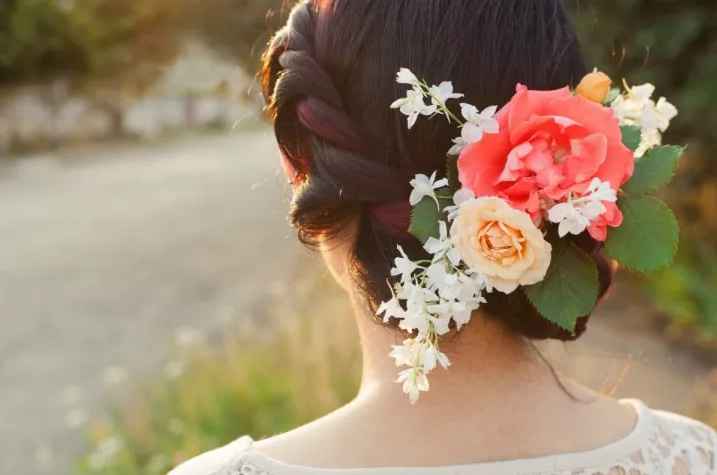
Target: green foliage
[(686, 290), (426, 214), (654, 170), (424, 220), (87, 38), (672, 45), (570, 288), (631, 136), (648, 237)]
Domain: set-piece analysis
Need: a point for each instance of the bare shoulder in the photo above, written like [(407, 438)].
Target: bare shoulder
[(212, 462)]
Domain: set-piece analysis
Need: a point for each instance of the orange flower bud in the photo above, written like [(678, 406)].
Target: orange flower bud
[(595, 86)]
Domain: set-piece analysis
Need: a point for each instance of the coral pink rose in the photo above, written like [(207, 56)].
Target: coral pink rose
[(550, 144)]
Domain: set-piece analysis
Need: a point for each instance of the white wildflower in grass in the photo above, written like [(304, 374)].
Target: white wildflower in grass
[(636, 107), (575, 215), (425, 186)]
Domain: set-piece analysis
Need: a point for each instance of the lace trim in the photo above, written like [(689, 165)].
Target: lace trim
[(661, 444)]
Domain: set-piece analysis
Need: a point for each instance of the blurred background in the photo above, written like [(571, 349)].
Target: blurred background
[(140, 194)]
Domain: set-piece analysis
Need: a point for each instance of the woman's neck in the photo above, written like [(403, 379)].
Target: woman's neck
[(486, 361)]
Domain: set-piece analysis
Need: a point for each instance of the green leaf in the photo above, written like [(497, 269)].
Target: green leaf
[(648, 237), (611, 96), (655, 169), (570, 288), (424, 220), (631, 136)]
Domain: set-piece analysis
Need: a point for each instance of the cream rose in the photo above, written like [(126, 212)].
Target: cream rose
[(500, 242)]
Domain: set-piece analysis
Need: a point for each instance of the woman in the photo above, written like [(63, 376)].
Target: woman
[(328, 78)]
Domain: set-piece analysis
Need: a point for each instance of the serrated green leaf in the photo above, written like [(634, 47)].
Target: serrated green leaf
[(648, 237), (654, 170), (424, 220), (570, 288), (631, 136)]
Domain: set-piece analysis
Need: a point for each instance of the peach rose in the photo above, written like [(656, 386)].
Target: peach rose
[(550, 144), (595, 86), (500, 242)]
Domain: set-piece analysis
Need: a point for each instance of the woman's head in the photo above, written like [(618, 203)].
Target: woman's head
[(329, 78)]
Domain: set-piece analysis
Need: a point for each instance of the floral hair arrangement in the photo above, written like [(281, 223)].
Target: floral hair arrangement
[(522, 183)]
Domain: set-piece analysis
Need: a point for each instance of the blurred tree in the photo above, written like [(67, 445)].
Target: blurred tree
[(41, 39), (239, 28)]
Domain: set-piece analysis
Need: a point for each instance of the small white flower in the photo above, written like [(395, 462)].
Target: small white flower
[(575, 215), (434, 356), (414, 382), (637, 108), (601, 190), (406, 76), (458, 145), (403, 266), (459, 197), (442, 93), (414, 105), (478, 123), (425, 186), (442, 246), (569, 218), (391, 309)]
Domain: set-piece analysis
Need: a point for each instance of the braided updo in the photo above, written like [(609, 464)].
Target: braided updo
[(328, 80)]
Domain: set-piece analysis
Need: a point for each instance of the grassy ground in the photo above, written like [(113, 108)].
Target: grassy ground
[(256, 381)]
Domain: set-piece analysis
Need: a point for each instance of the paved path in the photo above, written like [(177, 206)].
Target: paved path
[(107, 251)]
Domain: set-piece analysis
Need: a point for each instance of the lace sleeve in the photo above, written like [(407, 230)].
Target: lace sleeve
[(686, 446)]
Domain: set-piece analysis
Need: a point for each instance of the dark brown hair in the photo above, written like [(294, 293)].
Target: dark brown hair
[(329, 78)]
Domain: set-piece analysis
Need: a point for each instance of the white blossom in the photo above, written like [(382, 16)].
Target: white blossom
[(425, 186), (403, 266), (414, 382), (414, 105), (637, 108), (459, 197), (442, 93), (391, 309), (478, 123), (442, 246), (575, 215), (406, 76)]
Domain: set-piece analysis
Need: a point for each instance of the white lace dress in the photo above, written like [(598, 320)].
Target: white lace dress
[(660, 444)]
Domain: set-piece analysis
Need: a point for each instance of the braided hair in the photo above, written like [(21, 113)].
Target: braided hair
[(328, 79)]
